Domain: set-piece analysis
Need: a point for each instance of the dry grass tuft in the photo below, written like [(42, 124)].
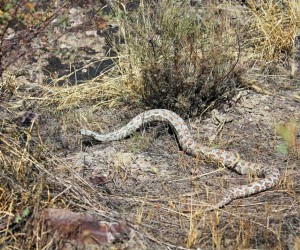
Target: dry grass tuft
[(108, 92), (30, 183), (274, 27), (22, 187)]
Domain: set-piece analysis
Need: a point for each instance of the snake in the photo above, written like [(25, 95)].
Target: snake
[(269, 176)]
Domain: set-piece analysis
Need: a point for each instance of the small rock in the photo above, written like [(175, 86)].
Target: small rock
[(153, 170), (72, 11), (91, 33), (292, 109)]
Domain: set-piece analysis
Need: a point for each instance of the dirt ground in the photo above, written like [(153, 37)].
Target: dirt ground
[(149, 180), (159, 190)]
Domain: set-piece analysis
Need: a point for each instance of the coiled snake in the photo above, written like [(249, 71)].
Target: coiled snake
[(270, 175)]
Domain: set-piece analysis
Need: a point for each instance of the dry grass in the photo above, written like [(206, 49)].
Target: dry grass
[(140, 73), (28, 185), (275, 23), (33, 177)]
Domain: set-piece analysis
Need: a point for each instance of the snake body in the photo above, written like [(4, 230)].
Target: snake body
[(269, 174)]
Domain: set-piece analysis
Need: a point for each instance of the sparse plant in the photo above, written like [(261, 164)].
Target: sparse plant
[(193, 233), (8, 85), (185, 57), (244, 235), (215, 230), (288, 132)]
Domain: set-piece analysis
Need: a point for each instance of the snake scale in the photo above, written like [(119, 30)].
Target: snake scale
[(269, 175)]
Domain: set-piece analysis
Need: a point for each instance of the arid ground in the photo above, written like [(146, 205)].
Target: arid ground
[(86, 69)]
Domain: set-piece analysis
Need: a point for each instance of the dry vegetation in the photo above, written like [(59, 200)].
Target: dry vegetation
[(190, 58)]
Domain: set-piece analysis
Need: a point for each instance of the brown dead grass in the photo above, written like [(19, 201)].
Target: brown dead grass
[(276, 23)]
